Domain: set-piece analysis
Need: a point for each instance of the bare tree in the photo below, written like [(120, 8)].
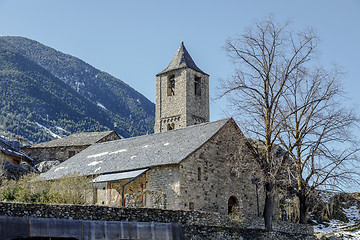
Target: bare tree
[(265, 58), (316, 133)]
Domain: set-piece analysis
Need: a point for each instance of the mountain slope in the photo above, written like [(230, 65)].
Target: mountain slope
[(44, 87)]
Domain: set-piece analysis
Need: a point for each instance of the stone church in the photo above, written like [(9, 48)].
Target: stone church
[(184, 165)]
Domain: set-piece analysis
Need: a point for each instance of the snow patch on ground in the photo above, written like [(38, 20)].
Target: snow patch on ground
[(48, 130), (100, 105), (78, 84), (340, 228)]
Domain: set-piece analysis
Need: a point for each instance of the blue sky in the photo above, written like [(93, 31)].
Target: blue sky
[(135, 40)]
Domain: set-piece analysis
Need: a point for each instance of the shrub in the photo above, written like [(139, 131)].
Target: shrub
[(70, 190)]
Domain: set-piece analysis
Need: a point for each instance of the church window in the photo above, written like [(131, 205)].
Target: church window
[(199, 173), (171, 85), (191, 206), (197, 86), (170, 126)]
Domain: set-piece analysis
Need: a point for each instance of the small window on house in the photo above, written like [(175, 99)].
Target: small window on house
[(170, 126), (191, 205), (15, 162), (171, 85), (71, 153), (197, 86), (199, 174)]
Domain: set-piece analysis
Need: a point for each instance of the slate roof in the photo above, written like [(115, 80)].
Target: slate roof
[(8, 150), (77, 139), (182, 59), (145, 151)]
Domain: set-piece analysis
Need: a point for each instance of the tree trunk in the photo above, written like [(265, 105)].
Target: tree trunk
[(303, 207), (269, 205)]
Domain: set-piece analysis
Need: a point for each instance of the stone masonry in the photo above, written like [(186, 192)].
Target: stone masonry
[(195, 224), (204, 181), (61, 152), (182, 94)]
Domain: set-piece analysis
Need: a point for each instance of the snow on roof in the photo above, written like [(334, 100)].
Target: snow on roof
[(141, 152)]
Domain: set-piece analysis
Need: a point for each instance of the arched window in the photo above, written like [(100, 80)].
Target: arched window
[(232, 204), (171, 85)]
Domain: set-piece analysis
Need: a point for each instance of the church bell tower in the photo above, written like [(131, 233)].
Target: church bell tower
[(182, 94)]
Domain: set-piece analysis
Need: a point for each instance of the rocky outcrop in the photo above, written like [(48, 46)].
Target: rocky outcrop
[(46, 165)]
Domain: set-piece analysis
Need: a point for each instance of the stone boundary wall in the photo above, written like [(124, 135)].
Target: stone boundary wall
[(196, 224)]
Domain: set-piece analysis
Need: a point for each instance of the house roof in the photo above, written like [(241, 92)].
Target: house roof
[(5, 148), (182, 59), (77, 139), (145, 151)]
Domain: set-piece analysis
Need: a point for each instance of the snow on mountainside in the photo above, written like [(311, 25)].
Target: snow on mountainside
[(40, 85)]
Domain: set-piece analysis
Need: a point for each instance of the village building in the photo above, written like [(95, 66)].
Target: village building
[(187, 164), (10, 152), (63, 148)]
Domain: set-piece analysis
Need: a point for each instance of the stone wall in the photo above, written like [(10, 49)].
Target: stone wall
[(170, 109), (197, 106), (63, 153), (52, 153), (184, 108), (204, 181), (195, 224), (208, 179), (166, 182)]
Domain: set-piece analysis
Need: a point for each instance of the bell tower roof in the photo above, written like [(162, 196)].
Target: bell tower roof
[(182, 59)]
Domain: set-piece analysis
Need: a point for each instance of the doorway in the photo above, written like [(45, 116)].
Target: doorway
[(233, 203)]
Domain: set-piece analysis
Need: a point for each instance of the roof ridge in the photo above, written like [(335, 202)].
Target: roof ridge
[(165, 148), (178, 129), (166, 132), (84, 135)]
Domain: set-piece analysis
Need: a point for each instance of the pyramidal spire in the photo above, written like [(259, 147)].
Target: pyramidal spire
[(182, 59)]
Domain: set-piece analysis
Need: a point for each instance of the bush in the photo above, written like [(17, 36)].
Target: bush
[(70, 190)]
